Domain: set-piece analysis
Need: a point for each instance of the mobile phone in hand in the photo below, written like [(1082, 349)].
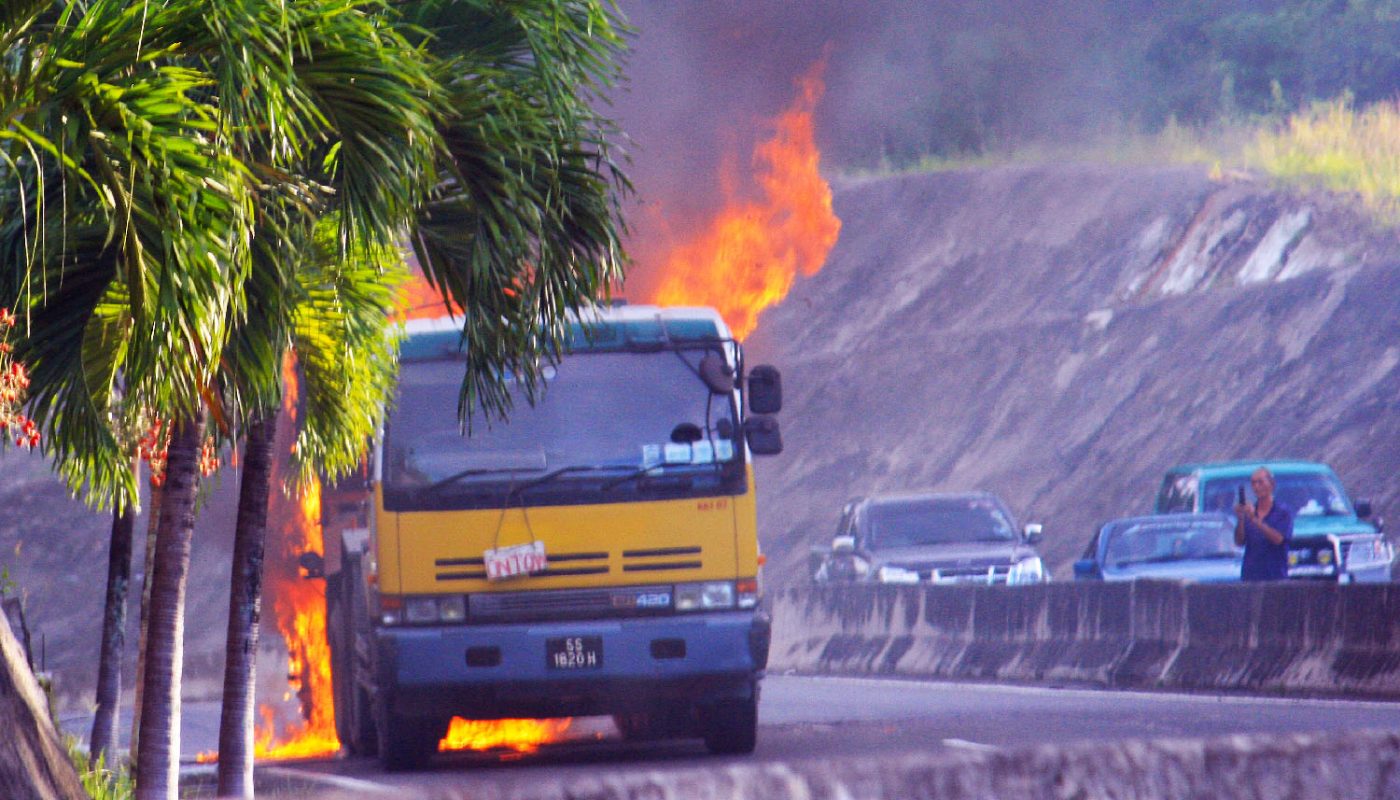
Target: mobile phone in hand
[(1241, 490)]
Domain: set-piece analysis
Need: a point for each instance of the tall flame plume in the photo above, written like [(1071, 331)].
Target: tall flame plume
[(748, 257), (299, 607)]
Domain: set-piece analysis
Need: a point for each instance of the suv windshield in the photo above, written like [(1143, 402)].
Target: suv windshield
[(923, 521), (1308, 495), (617, 423), (1142, 542)]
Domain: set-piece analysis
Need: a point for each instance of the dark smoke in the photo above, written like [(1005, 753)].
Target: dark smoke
[(908, 79)]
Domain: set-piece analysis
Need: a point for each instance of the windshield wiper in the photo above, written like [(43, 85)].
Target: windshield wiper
[(1167, 559), (554, 474), (467, 473)]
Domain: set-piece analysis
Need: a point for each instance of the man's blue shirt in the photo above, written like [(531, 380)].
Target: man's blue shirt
[(1264, 560)]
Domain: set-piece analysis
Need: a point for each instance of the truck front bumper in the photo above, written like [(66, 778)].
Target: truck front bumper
[(496, 671)]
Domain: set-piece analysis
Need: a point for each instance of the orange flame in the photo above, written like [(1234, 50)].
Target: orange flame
[(299, 607), (520, 735), (751, 253)]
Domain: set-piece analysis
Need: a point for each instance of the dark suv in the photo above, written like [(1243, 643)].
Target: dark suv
[(967, 538)]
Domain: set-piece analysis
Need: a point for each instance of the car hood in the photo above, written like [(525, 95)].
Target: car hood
[(1218, 570), (957, 554)]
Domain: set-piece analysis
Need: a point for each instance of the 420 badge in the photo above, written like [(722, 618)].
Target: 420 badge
[(510, 562)]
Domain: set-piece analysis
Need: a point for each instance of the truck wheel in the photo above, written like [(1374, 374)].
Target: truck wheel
[(650, 726), (363, 739), (406, 742), (730, 727)]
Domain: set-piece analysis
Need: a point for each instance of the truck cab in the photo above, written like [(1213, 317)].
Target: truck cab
[(594, 554)]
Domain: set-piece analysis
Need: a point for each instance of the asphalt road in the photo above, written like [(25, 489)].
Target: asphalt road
[(819, 718)]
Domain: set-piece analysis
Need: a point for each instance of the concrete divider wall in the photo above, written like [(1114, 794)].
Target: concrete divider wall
[(1304, 638)]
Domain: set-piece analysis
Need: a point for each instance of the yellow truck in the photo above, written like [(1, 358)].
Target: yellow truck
[(596, 554)]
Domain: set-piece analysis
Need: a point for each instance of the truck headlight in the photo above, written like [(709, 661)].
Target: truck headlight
[(452, 608), (1324, 557), (704, 596), (891, 574), (420, 609), (1027, 570)]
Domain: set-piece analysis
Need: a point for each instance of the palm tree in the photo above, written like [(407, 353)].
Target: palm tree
[(140, 144), (570, 230), (103, 740), (338, 322)]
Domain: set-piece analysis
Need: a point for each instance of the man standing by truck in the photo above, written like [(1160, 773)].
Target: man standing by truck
[(1264, 530)]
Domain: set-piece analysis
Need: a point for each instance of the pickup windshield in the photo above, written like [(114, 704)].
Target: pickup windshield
[(916, 522), (609, 427), (1156, 542), (1308, 495)]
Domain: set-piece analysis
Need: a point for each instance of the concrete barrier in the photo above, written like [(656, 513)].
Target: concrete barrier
[(1291, 638)]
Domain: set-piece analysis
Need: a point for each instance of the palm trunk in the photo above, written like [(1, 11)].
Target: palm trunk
[(103, 741), (158, 757), (152, 521), (245, 612)]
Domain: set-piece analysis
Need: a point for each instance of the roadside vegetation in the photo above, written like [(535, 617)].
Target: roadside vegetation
[(1330, 145)]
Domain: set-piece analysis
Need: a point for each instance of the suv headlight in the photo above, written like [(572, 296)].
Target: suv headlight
[(704, 596), (1027, 570), (889, 574)]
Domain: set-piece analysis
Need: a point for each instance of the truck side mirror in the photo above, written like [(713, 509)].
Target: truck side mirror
[(1363, 508), (763, 435), (765, 390), (1034, 533)]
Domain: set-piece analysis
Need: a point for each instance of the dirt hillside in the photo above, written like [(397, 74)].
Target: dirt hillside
[(1061, 335)]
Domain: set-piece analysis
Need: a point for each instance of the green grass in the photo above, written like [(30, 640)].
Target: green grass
[(1337, 147), (100, 782), (1333, 146)]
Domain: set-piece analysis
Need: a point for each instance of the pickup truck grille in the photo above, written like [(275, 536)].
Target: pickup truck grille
[(1364, 551), (988, 575)]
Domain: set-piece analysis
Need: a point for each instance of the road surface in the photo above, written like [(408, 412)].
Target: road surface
[(823, 717)]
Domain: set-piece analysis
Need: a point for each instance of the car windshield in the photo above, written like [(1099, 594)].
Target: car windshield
[(601, 417), (925, 521), (1308, 495), (1130, 542)]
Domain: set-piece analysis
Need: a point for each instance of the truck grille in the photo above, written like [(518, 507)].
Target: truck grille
[(616, 601), (660, 559), (456, 569)]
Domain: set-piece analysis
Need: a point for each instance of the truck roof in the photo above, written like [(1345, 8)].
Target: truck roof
[(592, 329)]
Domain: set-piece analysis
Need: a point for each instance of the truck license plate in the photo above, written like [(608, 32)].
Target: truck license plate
[(574, 652)]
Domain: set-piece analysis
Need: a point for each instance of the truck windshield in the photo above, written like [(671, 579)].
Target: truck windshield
[(1308, 495), (609, 427)]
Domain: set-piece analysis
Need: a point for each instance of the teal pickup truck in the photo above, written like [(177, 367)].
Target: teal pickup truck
[(1333, 537)]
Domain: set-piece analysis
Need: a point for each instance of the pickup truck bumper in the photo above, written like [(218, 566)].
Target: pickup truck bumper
[(498, 671)]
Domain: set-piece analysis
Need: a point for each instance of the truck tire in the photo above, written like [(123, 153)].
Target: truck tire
[(407, 743), (347, 623), (650, 726), (730, 727)]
